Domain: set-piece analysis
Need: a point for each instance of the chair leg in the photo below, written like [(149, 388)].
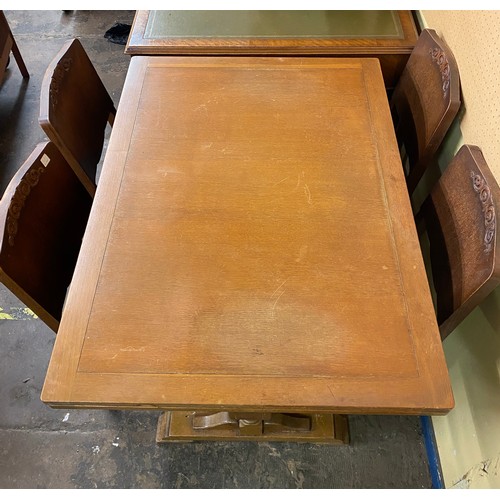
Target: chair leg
[(19, 60), (420, 222), (111, 118)]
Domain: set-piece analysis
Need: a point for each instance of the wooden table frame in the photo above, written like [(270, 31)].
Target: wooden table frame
[(104, 358)]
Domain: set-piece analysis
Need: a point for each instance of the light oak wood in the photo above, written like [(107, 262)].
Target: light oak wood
[(251, 247), (392, 51)]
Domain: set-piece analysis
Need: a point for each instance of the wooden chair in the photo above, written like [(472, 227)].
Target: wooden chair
[(74, 109), (43, 214), (424, 103), (460, 216), (8, 44)]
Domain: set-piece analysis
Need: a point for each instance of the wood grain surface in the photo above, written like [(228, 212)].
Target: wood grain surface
[(251, 245)]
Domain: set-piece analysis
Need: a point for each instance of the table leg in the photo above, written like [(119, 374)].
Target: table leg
[(250, 426)]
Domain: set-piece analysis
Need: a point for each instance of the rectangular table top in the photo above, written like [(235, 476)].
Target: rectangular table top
[(272, 31), (251, 246)]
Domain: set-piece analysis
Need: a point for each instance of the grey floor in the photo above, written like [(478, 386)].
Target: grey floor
[(45, 448)]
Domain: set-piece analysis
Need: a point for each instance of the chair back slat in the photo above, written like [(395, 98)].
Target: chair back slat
[(425, 102), (461, 220), (74, 110), (43, 215)]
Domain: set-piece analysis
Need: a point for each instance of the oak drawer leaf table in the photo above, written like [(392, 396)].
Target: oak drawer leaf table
[(251, 264)]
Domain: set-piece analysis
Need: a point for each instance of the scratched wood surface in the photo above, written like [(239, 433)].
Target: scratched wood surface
[(251, 245)]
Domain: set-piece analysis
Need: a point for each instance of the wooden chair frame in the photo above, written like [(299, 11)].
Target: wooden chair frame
[(75, 108), (425, 102), (43, 215), (461, 219)]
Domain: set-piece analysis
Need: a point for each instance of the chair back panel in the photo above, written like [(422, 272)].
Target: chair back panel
[(461, 220), (74, 110), (43, 215), (425, 102)]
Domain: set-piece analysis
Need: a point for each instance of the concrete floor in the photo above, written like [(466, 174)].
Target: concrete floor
[(45, 448)]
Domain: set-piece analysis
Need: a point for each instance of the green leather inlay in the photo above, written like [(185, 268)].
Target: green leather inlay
[(276, 24)]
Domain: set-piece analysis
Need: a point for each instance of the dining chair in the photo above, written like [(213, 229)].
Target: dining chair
[(43, 214), (74, 110), (460, 219), (7, 45), (424, 103)]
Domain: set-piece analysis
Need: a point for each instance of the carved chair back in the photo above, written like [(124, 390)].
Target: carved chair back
[(74, 109), (460, 217), (43, 214), (425, 103)]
